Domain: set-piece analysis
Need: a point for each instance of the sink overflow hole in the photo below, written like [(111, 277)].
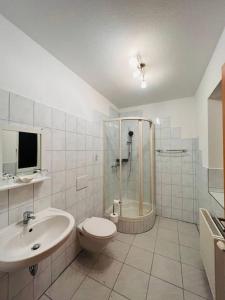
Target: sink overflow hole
[(30, 230), (35, 246)]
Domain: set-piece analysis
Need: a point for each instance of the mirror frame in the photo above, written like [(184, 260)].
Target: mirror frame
[(25, 128)]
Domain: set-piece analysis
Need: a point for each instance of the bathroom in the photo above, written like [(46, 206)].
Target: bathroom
[(111, 150)]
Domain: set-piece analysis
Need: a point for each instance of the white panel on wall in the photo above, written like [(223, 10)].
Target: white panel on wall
[(82, 182)]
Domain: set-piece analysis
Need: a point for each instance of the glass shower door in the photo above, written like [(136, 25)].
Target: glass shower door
[(111, 164), (129, 168), (146, 154)]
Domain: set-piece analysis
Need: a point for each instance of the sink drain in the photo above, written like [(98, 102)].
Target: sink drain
[(35, 246)]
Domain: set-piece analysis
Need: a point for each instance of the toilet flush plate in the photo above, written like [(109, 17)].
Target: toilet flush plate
[(82, 182)]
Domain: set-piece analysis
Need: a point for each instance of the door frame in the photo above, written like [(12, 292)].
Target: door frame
[(223, 112)]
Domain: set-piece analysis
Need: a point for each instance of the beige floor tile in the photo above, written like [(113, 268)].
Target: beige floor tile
[(150, 233), (140, 259), (26, 293), (168, 235), (132, 283), (191, 256), (189, 240), (168, 249), (126, 238), (167, 269), (106, 270), (115, 296), (44, 297), (4, 287), (190, 296), (91, 290), (66, 285), (195, 281), (145, 241), (168, 224), (85, 261), (161, 290), (187, 228), (117, 250)]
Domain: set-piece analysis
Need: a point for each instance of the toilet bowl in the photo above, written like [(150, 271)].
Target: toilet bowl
[(94, 233)]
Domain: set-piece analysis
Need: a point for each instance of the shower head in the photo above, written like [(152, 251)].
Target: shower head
[(130, 133)]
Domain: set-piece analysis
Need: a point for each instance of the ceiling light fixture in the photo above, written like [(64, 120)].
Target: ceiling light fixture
[(139, 67)]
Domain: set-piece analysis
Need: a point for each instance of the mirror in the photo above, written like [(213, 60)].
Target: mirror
[(20, 152), (215, 145)]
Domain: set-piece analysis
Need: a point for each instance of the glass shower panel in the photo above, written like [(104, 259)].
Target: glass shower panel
[(129, 168), (111, 165), (147, 203)]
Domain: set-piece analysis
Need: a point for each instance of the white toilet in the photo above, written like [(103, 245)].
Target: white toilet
[(94, 233)]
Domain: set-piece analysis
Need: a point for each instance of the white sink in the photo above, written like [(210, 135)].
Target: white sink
[(49, 230)]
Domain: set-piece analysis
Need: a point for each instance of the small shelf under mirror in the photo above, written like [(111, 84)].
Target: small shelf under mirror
[(10, 184)]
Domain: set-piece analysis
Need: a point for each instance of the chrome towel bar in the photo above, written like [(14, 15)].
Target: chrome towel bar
[(171, 151)]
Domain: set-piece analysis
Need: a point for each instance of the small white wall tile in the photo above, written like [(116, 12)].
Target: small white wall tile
[(70, 197), (71, 123), (42, 115), (42, 189), (80, 142), (21, 109), (46, 162), (81, 126), (59, 200), (42, 203), (58, 181), (58, 161), (71, 160), (3, 201), (4, 105), (20, 196), (71, 140), (58, 119), (58, 140), (70, 178)]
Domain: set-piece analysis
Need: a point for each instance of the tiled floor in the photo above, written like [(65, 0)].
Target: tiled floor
[(163, 263)]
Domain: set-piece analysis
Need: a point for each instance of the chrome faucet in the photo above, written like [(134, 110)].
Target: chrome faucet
[(28, 215)]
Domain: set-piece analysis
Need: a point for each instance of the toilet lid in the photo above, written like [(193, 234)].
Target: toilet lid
[(99, 227)]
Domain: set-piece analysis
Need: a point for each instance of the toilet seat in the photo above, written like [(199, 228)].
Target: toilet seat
[(99, 228)]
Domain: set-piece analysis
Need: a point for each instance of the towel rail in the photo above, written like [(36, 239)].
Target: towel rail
[(171, 151)]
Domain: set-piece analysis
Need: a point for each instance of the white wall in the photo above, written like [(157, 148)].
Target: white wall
[(182, 113), (215, 131), (30, 71), (209, 81)]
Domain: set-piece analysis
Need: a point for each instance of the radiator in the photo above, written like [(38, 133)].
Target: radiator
[(208, 235), (220, 269)]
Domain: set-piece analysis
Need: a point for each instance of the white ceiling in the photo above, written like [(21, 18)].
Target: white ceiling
[(95, 38)]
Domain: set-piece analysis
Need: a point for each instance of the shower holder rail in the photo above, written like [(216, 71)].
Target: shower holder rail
[(172, 151)]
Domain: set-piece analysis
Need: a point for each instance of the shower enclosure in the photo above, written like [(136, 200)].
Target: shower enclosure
[(129, 172)]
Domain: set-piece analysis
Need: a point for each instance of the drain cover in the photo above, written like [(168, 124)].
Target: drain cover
[(35, 246)]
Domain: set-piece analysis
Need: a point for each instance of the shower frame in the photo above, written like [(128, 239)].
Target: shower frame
[(141, 174)]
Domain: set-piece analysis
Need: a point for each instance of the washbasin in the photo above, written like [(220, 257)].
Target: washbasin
[(24, 245)]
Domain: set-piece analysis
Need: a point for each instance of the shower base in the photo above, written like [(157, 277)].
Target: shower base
[(130, 221)]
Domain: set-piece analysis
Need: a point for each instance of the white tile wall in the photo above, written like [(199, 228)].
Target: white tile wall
[(4, 105), (66, 154), (21, 110)]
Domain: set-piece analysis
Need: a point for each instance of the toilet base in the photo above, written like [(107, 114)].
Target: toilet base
[(90, 244)]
